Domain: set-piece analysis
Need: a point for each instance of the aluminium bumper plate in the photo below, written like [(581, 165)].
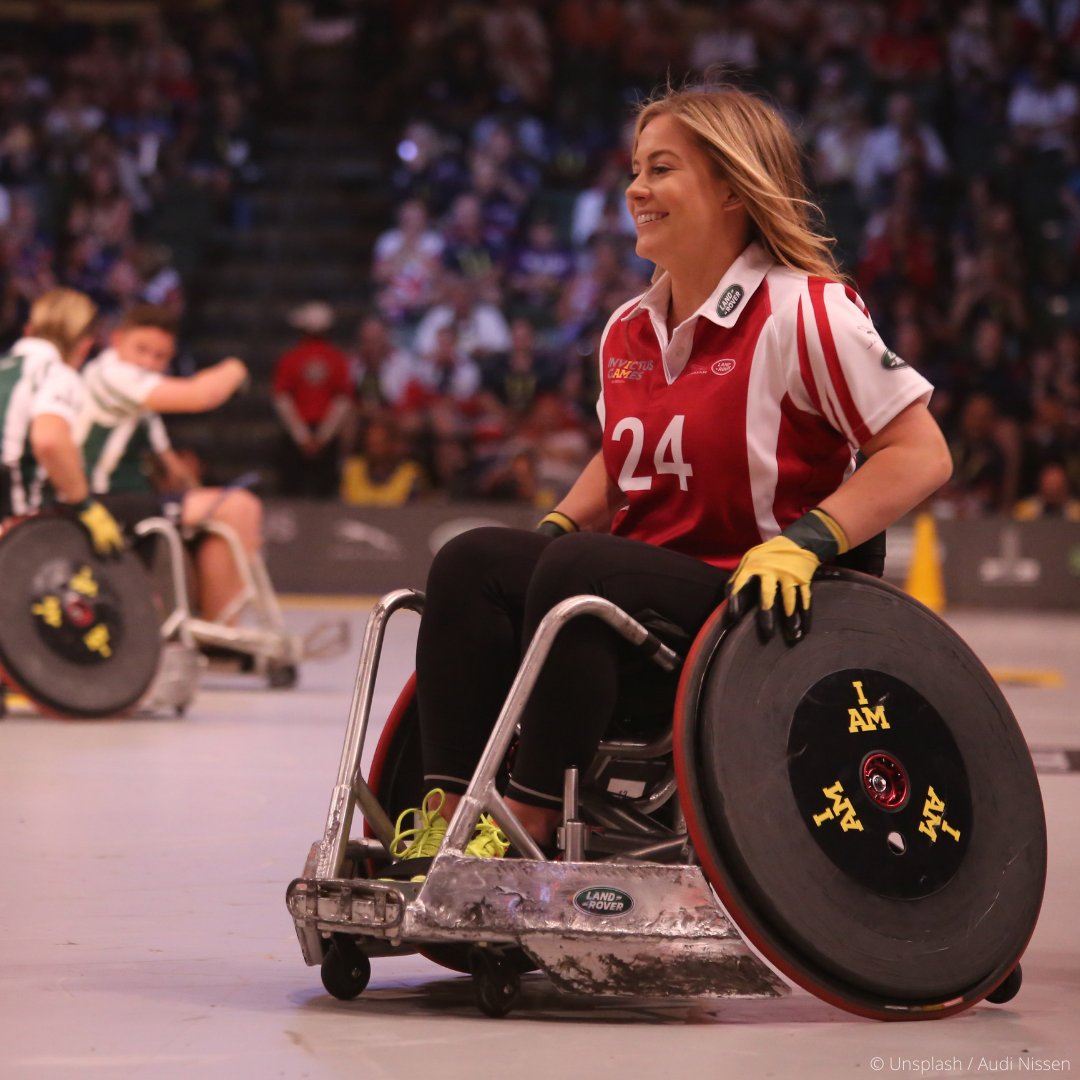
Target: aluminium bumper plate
[(644, 930)]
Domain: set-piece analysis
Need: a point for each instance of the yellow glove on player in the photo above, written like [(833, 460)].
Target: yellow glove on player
[(104, 532), (785, 564)]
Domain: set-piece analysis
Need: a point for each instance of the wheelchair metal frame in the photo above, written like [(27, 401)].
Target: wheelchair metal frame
[(266, 637), (629, 924)]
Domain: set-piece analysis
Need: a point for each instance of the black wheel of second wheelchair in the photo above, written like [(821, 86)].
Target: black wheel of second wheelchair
[(496, 981), (1008, 989), (282, 676), (345, 969)]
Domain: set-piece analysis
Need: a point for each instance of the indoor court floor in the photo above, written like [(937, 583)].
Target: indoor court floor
[(143, 866)]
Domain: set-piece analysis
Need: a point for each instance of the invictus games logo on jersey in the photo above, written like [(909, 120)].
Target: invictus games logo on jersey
[(722, 367), (622, 370), (890, 360), (729, 300)]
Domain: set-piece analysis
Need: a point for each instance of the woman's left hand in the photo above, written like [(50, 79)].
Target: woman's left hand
[(785, 564), (779, 566)]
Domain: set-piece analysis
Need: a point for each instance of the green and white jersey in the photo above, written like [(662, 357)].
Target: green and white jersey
[(34, 381), (116, 432)]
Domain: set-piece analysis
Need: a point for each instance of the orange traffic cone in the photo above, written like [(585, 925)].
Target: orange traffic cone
[(925, 581)]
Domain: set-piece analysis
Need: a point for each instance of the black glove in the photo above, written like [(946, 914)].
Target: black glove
[(785, 564), (556, 524)]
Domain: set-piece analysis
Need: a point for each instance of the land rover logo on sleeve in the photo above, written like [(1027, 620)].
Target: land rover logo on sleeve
[(729, 300), (603, 900), (890, 360)]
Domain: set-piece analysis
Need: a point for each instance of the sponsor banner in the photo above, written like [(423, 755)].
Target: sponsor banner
[(998, 563), (315, 547), (1011, 564)]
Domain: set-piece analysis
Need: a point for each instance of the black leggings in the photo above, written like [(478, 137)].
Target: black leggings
[(487, 592)]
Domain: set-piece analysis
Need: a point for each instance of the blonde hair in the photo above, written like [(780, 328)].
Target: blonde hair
[(63, 317), (752, 147)]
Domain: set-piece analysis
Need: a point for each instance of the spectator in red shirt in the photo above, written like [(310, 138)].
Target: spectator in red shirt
[(313, 397)]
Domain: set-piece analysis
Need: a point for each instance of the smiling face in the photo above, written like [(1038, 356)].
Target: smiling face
[(145, 346), (682, 208)]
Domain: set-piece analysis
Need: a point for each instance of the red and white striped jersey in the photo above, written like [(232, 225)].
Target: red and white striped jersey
[(749, 416)]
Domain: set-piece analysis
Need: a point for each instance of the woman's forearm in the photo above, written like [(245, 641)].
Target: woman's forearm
[(907, 461)]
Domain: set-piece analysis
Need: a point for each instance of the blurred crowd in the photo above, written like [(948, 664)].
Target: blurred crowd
[(107, 130), (941, 140)]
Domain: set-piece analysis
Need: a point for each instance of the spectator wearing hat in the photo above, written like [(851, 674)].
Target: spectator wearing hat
[(312, 393)]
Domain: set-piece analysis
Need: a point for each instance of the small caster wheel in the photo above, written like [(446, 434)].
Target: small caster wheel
[(282, 676), (345, 969), (496, 982), (1008, 989)]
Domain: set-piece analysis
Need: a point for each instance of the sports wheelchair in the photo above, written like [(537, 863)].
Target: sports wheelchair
[(251, 630), (857, 814), (83, 637)]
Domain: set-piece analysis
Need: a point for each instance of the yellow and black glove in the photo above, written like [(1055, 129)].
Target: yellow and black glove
[(104, 532), (556, 524), (785, 564)]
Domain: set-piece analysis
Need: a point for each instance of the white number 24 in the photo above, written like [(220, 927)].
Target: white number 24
[(667, 461)]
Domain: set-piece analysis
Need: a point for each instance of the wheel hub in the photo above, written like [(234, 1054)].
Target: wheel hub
[(895, 815)]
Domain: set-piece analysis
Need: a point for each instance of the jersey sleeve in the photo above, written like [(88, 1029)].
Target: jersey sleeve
[(846, 373), (60, 393), (122, 387)]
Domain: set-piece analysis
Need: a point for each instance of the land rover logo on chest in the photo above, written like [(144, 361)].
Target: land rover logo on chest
[(729, 300), (603, 900)]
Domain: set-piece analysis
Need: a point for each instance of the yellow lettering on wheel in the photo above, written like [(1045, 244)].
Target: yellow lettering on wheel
[(49, 611), (841, 809), (934, 818), (864, 718), (868, 719), (83, 582), (97, 640)]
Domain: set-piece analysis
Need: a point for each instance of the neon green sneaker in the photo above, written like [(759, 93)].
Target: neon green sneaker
[(488, 842), (420, 841)]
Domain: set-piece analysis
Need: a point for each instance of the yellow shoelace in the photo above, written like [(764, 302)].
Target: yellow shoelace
[(489, 841), (420, 841)]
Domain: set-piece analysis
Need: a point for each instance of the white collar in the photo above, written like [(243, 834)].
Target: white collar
[(726, 302), (36, 348)]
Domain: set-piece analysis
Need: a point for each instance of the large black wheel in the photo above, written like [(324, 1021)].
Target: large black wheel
[(78, 632), (345, 969), (282, 676), (863, 802)]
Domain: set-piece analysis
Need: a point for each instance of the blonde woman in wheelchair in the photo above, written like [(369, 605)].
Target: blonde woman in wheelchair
[(735, 395)]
